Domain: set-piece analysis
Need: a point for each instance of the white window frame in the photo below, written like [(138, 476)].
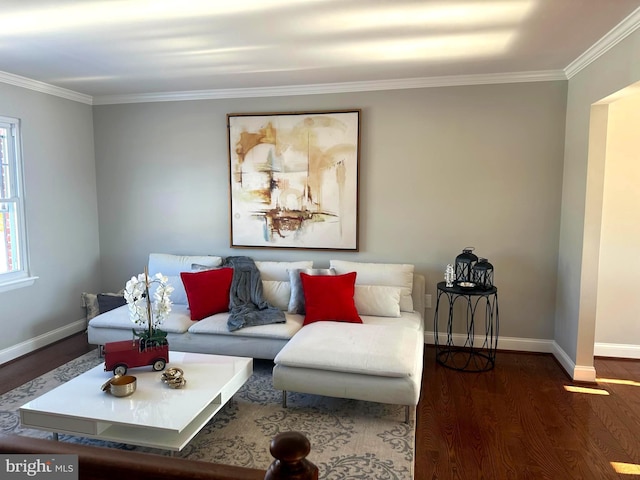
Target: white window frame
[(20, 277)]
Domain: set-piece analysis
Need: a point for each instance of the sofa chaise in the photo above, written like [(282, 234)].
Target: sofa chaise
[(377, 360)]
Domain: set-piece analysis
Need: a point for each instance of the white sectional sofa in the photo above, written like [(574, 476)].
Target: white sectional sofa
[(378, 360)]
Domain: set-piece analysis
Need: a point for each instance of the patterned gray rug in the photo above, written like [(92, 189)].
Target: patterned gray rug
[(349, 439)]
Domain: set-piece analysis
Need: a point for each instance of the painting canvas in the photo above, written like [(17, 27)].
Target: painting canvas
[(294, 179)]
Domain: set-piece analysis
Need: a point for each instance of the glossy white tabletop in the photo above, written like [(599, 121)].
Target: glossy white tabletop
[(154, 405)]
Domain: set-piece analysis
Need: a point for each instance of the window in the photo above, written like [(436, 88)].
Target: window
[(14, 268)]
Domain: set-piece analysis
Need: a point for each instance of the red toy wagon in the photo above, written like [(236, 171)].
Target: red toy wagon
[(120, 356)]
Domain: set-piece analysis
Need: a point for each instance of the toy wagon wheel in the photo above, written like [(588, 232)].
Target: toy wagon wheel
[(159, 364), (120, 369)]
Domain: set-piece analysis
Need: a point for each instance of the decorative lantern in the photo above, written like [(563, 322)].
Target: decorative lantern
[(464, 263), (482, 274)]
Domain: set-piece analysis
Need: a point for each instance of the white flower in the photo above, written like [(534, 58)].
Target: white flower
[(138, 292)]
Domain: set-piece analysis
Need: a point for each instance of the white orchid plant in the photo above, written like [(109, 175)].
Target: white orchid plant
[(144, 312)]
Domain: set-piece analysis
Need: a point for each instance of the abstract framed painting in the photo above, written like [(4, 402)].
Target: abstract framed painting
[(294, 179)]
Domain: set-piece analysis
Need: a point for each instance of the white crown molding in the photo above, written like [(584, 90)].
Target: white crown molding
[(288, 90), (327, 88), (38, 86), (610, 40)]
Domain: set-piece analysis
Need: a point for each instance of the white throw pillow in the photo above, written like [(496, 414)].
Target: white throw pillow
[(277, 293), (171, 266), (279, 270), (179, 294), (377, 300), (387, 274)]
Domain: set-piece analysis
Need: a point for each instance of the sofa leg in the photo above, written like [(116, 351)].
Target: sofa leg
[(284, 399), (406, 414)]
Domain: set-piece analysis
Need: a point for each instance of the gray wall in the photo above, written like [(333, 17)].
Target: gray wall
[(441, 169), (61, 212), (582, 199)]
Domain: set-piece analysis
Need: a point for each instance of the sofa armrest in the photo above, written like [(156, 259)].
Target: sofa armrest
[(419, 289)]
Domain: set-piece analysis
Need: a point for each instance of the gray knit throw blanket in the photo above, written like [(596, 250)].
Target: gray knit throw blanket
[(247, 305)]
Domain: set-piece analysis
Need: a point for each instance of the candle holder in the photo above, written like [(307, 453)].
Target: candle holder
[(449, 275)]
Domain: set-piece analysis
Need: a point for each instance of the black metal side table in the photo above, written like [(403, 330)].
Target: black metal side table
[(469, 356)]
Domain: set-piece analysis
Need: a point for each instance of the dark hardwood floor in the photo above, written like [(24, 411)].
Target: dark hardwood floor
[(517, 421), (15, 373)]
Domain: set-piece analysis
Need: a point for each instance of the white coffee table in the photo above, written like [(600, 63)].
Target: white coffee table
[(154, 415)]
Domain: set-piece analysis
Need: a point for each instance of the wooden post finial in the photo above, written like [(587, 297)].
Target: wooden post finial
[(290, 450)]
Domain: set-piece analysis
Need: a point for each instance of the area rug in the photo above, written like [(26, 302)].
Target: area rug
[(350, 439)]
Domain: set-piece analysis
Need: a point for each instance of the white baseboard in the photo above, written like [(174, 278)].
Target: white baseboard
[(616, 350), (504, 343), (579, 373), (40, 341)]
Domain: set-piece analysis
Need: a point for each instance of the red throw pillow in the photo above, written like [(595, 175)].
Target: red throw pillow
[(208, 291), (329, 298)]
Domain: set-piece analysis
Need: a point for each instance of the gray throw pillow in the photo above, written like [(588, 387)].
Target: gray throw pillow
[(109, 302), (90, 302), (296, 301)]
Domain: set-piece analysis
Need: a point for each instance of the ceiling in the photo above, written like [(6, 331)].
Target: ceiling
[(103, 48)]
